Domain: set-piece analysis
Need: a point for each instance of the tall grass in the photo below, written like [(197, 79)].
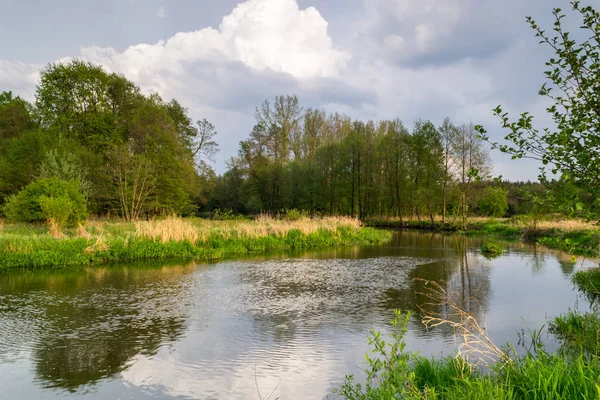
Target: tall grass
[(588, 281), (496, 372), (100, 242)]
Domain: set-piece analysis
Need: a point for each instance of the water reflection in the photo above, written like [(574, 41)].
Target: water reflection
[(87, 325), (295, 322)]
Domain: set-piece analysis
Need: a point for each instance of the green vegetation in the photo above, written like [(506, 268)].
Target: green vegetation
[(492, 249), (137, 156), (579, 334), (24, 246), (588, 281), (582, 242), (394, 373), (48, 199)]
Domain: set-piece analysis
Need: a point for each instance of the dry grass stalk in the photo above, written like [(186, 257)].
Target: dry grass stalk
[(99, 246), (166, 230), (477, 348), (81, 232), (54, 229)]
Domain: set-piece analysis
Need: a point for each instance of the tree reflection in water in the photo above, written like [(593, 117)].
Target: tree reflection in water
[(91, 323)]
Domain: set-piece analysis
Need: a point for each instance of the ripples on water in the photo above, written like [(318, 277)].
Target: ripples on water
[(295, 324)]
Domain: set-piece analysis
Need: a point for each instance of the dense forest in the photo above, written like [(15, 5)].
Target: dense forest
[(135, 156)]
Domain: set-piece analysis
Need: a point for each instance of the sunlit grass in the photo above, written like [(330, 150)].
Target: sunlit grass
[(108, 241)]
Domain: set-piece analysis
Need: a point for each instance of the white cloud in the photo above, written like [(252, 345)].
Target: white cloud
[(19, 77), (410, 60), (161, 12), (262, 34)]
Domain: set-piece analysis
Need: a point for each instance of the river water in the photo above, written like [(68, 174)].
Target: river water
[(282, 325)]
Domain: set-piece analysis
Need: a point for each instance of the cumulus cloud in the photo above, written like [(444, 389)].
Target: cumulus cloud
[(409, 60), (262, 34)]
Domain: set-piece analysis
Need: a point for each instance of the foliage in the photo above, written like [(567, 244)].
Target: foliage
[(492, 249), (293, 214), (578, 242), (66, 167), (57, 209), (42, 199), (572, 148), (226, 215), (389, 374), (494, 202), (588, 281)]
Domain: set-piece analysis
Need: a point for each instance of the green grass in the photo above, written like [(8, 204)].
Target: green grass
[(588, 282), (580, 242), (492, 249), (30, 246), (394, 373), (578, 333)]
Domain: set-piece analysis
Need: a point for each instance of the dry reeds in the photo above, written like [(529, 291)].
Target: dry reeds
[(54, 229), (100, 245), (477, 347), (166, 230), (82, 232)]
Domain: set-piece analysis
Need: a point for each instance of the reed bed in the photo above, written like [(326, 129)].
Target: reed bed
[(112, 241)]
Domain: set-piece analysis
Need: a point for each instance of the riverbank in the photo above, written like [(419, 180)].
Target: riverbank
[(99, 242), (575, 237), (532, 372)]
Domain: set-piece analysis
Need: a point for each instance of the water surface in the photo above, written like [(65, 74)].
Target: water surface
[(288, 324)]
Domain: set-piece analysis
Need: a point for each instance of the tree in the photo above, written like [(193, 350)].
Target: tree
[(203, 144), (67, 167), (494, 202), (472, 162), (572, 147), (15, 116), (135, 181), (448, 134)]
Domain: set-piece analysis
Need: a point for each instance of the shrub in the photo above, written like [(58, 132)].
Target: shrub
[(226, 215), (56, 208), (293, 214), (48, 198)]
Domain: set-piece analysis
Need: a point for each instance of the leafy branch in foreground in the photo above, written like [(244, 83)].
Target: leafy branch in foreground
[(572, 147)]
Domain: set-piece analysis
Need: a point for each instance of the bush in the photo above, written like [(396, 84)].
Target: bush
[(48, 198), (293, 214), (56, 208), (226, 215)]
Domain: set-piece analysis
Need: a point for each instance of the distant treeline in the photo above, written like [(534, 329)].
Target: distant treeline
[(136, 155)]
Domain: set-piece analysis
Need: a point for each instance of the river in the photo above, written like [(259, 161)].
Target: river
[(282, 325)]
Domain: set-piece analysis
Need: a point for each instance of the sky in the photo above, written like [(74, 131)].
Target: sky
[(369, 59)]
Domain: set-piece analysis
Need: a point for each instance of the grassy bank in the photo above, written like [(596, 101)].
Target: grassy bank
[(575, 237), (395, 373), (25, 246)]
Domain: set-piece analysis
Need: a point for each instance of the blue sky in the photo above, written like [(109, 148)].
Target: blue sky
[(370, 59)]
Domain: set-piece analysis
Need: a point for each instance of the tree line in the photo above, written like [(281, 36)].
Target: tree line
[(130, 154), (332, 164), (136, 156)]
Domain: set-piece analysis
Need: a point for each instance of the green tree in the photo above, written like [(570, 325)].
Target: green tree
[(494, 202)]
